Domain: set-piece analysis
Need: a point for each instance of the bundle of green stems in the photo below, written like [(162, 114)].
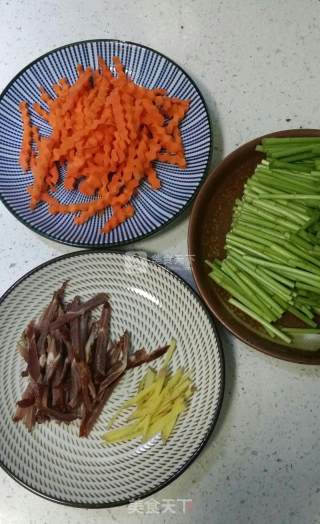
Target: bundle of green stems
[(272, 260)]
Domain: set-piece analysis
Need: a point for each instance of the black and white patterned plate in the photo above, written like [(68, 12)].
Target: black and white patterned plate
[(154, 305)]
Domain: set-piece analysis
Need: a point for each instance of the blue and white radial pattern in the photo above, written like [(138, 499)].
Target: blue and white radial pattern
[(154, 209)]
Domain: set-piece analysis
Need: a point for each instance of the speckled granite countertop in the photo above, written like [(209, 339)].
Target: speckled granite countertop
[(257, 65)]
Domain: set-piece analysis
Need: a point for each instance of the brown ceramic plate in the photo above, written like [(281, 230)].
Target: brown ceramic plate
[(210, 222)]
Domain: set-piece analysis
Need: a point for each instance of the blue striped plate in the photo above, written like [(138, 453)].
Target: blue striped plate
[(154, 209)]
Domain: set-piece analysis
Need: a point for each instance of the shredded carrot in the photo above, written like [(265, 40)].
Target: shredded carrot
[(36, 137), (26, 146), (107, 132), (40, 111), (120, 214)]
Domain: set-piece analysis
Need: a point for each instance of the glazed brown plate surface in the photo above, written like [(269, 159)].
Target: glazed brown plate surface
[(209, 223)]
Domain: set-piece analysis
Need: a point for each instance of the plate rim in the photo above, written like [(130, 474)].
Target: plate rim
[(244, 336), (113, 245), (215, 415)]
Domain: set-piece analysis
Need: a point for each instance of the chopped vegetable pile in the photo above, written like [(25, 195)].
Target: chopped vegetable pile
[(272, 263), (72, 365), (161, 398), (108, 132)]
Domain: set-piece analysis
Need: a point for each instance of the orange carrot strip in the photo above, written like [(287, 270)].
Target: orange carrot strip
[(41, 169), (105, 71), (119, 68), (26, 145), (119, 215), (53, 175), (94, 207), (172, 159), (36, 136), (153, 180), (45, 97), (41, 112)]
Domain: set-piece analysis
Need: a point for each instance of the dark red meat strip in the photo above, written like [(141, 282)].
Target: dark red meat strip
[(75, 329), (90, 419), (53, 358), (141, 356), (61, 372), (92, 303), (33, 360), (84, 330), (48, 316), (89, 349), (102, 342), (75, 385)]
